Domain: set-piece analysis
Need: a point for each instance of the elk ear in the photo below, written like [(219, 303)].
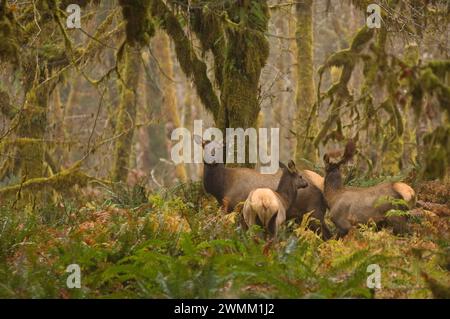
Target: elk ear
[(281, 164), (326, 159), (291, 167)]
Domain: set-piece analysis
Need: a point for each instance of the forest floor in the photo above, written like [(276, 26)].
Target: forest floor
[(176, 243)]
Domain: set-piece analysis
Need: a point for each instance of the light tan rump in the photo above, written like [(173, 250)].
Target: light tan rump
[(314, 178), (406, 191)]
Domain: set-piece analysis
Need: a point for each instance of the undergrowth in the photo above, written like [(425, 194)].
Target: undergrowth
[(175, 243)]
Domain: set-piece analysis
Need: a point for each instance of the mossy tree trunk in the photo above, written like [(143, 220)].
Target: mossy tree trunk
[(170, 95), (156, 130), (32, 126), (245, 56), (127, 113), (72, 100), (188, 121), (305, 123), (240, 51)]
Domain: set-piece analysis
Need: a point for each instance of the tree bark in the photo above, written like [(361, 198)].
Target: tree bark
[(170, 96), (127, 113), (305, 129)]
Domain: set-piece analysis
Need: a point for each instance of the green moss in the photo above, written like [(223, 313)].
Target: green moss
[(61, 181), (306, 118), (440, 67), (209, 30), (431, 83), (193, 67), (437, 156), (139, 26), (362, 37), (126, 113), (9, 32)]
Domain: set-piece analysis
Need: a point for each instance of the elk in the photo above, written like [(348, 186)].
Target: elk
[(232, 185), (268, 208), (350, 206)]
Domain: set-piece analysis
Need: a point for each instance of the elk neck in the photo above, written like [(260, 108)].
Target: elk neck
[(333, 183), (286, 190), (214, 180)]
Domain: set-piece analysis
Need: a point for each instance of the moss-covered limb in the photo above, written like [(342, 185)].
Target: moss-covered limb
[(332, 117), (208, 28), (25, 141), (60, 181), (9, 35), (32, 125), (338, 92), (431, 83), (439, 67), (126, 113), (191, 65), (305, 129), (139, 26)]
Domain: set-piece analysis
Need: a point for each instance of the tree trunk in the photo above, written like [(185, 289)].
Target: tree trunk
[(32, 125), (170, 96), (127, 113), (305, 124), (246, 55)]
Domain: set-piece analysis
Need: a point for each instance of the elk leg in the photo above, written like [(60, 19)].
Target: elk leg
[(343, 226), (244, 225), (225, 203), (398, 224), (324, 231), (326, 234)]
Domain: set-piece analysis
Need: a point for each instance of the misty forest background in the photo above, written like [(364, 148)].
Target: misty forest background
[(86, 117)]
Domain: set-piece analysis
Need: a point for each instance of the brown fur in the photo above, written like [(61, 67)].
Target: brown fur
[(269, 207), (264, 204), (231, 186), (314, 178), (350, 206)]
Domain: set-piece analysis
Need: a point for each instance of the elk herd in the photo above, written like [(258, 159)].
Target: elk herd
[(272, 199)]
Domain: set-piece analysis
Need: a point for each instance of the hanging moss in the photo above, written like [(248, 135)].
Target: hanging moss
[(338, 93), (437, 156), (209, 30), (189, 62), (9, 33), (139, 26), (431, 83), (362, 37), (439, 67)]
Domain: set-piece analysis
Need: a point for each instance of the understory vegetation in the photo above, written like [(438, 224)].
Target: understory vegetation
[(90, 117), (176, 243)]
